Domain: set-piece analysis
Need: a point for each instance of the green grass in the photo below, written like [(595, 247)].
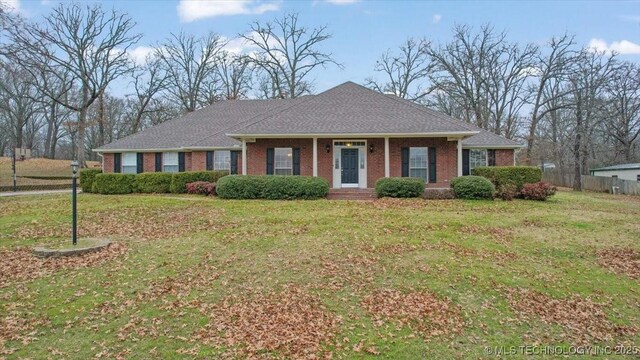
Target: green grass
[(466, 251)]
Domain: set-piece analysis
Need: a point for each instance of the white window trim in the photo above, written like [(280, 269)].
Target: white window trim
[(486, 158), (165, 163), (127, 164), (275, 167), (227, 166), (426, 162)]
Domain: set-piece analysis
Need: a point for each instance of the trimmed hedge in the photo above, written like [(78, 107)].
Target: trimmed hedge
[(540, 191), (114, 183), (180, 180), (201, 188), (272, 187), (515, 175), (400, 187), (87, 178), (154, 182), (472, 188)]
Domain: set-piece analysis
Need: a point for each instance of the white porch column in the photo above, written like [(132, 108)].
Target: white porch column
[(460, 157), (387, 166), (244, 157), (315, 156)]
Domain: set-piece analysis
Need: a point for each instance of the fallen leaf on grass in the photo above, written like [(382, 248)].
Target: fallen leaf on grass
[(621, 261)]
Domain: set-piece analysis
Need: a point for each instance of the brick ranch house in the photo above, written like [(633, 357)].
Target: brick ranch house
[(349, 135)]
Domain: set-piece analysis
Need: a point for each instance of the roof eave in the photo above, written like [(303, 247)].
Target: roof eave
[(460, 134), (517, 146), (184, 148)]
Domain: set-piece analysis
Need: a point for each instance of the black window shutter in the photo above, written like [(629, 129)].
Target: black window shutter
[(296, 161), (404, 154), (181, 162), (209, 160), (465, 162), (270, 160), (117, 162), (234, 163), (432, 165), (158, 162), (491, 154), (139, 162)]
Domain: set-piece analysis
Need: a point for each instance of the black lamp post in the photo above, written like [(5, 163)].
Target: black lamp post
[(74, 171)]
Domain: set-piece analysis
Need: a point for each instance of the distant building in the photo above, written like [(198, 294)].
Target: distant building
[(622, 171)]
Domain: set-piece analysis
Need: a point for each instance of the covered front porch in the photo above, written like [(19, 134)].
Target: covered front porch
[(357, 161)]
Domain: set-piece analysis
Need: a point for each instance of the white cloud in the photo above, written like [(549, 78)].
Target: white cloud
[(191, 10), (623, 47), (140, 53), (436, 18), (11, 5)]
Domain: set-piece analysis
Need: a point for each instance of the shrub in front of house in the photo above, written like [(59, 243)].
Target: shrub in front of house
[(158, 183), (515, 175), (272, 187), (540, 191), (506, 192), (295, 187), (472, 188), (87, 178), (114, 184), (400, 187), (201, 188), (180, 180)]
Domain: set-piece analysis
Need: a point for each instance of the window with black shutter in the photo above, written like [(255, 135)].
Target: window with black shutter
[(404, 155), (491, 157), (234, 162), (465, 162), (296, 161), (432, 165), (209, 160), (181, 162), (270, 160), (117, 162), (158, 162), (139, 163)]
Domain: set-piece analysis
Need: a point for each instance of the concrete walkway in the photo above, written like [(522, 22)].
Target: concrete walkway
[(39, 192)]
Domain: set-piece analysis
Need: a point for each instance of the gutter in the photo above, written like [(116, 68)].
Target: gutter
[(461, 134)]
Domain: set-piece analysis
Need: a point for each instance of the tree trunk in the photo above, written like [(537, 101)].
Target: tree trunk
[(82, 120)]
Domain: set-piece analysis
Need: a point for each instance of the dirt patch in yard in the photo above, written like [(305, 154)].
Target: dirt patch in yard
[(290, 322), (21, 265), (583, 319), (133, 223), (621, 261), (423, 312)]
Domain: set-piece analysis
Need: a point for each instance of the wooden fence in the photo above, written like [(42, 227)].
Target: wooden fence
[(594, 183)]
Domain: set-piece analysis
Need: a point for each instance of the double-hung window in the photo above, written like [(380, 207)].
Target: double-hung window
[(129, 163), (477, 157), (170, 162), (222, 160), (418, 162), (283, 161)]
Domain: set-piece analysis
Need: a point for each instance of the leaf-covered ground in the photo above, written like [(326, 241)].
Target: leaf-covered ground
[(195, 277)]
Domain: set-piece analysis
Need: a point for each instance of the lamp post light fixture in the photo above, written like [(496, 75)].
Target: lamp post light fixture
[(74, 172)]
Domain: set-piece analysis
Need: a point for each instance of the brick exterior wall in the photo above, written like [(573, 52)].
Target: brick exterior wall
[(107, 162), (149, 162), (504, 157), (198, 160), (446, 158)]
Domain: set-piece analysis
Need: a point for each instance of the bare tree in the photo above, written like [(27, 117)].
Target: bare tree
[(484, 74), (551, 70), (148, 81), (587, 82), (19, 103), (623, 91), (287, 53), (235, 74), (190, 64), (404, 73), (87, 43)]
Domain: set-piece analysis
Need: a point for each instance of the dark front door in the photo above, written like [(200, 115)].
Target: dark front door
[(349, 166)]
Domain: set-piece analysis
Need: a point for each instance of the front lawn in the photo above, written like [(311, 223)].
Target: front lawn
[(201, 277)]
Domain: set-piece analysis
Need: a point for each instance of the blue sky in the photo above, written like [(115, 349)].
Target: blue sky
[(363, 30)]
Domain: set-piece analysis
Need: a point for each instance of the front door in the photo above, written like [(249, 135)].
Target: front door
[(349, 162)]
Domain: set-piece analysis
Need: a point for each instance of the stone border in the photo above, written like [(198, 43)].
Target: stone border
[(43, 252)]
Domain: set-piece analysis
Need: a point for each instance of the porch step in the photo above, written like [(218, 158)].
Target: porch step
[(351, 194)]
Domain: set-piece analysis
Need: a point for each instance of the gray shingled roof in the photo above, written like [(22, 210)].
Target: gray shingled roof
[(353, 109), (203, 128), (488, 139), (345, 109), (631, 166)]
